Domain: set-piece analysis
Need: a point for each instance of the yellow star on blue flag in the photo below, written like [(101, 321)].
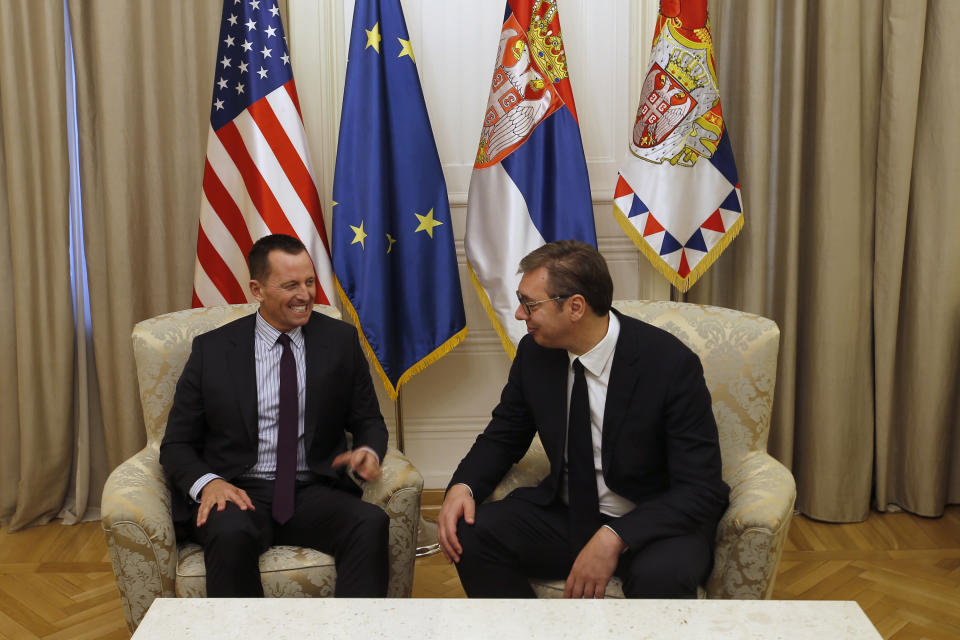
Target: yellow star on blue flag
[(359, 235), (403, 290), (427, 223)]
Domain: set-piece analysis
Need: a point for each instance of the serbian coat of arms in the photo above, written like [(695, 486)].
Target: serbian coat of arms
[(530, 62), (679, 118)]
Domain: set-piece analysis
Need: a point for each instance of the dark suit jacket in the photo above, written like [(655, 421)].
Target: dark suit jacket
[(659, 447), (212, 426)]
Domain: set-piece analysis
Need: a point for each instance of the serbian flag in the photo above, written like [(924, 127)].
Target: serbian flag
[(529, 184), (678, 195), (257, 178)]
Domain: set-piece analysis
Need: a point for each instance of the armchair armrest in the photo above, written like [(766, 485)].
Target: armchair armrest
[(752, 532), (399, 475), (137, 523), (528, 472), (398, 491)]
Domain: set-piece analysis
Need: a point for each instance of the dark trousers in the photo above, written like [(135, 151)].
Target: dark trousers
[(325, 518), (512, 540)]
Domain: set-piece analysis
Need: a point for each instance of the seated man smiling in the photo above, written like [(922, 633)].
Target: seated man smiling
[(256, 442), (624, 415)]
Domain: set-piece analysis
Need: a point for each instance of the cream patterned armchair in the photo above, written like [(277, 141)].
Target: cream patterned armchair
[(136, 515), (739, 355)]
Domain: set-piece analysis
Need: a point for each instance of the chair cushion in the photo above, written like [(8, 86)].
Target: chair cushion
[(287, 572)]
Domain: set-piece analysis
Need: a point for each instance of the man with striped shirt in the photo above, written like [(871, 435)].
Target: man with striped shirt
[(256, 442)]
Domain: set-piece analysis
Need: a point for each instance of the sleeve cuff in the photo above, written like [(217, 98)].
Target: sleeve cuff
[(465, 485), (201, 482), (626, 547), (366, 448)]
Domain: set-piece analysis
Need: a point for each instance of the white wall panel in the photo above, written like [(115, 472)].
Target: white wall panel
[(455, 43)]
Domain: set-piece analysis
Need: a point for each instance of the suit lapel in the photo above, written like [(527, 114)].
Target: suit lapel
[(243, 369), (621, 388), (553, 399), (313, 340)]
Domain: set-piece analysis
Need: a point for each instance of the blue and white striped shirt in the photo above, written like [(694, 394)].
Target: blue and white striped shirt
[(267, 353)]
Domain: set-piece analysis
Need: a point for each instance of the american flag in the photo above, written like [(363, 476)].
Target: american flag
[(257, 178)]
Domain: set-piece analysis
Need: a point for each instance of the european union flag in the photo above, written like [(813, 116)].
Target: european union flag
[(393, 250)]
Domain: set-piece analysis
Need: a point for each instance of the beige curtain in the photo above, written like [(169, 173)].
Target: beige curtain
[(842, 116), (69, 406), (36, 323), (145, 73), (144, 102), (916, 278)]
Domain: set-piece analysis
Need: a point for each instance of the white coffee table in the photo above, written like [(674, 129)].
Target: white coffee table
[(454, 619)]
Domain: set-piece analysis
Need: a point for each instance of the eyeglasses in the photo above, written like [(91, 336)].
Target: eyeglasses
[(528, 305)]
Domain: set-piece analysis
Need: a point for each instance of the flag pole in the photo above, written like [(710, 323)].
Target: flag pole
[(427, 541), (398, 417), (676, 295)]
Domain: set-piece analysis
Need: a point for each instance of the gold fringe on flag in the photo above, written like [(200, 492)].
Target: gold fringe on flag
[(682, 284), (413, 370), (508, 345)]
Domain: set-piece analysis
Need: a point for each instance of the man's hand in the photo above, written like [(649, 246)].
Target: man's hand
[(457, 504), (361, 461), (216, 494), (594, 565)]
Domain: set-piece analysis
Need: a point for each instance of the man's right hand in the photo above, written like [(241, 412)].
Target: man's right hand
[(216, 494), (457, 504)]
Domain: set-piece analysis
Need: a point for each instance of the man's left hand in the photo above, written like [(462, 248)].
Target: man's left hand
[(361, 461), (594, 565)]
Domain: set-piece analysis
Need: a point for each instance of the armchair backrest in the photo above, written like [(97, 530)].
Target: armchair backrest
[(161, 346), (739, 355)]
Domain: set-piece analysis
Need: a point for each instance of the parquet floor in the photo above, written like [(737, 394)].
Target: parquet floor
[(57, 582), (903, 570)]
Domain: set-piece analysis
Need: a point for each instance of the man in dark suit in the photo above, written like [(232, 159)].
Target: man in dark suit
[(255, 444), (634, 488)]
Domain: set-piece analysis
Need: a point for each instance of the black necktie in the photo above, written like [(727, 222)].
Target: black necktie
[(286, 435), (584, 509)]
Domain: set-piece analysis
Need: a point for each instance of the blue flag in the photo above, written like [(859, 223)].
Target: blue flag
[(393, 250)]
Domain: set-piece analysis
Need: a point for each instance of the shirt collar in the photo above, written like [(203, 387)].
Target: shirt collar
[(597, 359), (269, 334)]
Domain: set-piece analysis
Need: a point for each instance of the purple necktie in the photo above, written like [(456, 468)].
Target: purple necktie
[(584, 508), (286, 435)]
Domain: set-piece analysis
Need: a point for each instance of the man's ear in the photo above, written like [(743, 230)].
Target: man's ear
[(578, 306), (255, 291)]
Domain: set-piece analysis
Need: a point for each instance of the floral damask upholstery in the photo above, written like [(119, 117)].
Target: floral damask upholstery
[(739, 355), (136, 515)]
